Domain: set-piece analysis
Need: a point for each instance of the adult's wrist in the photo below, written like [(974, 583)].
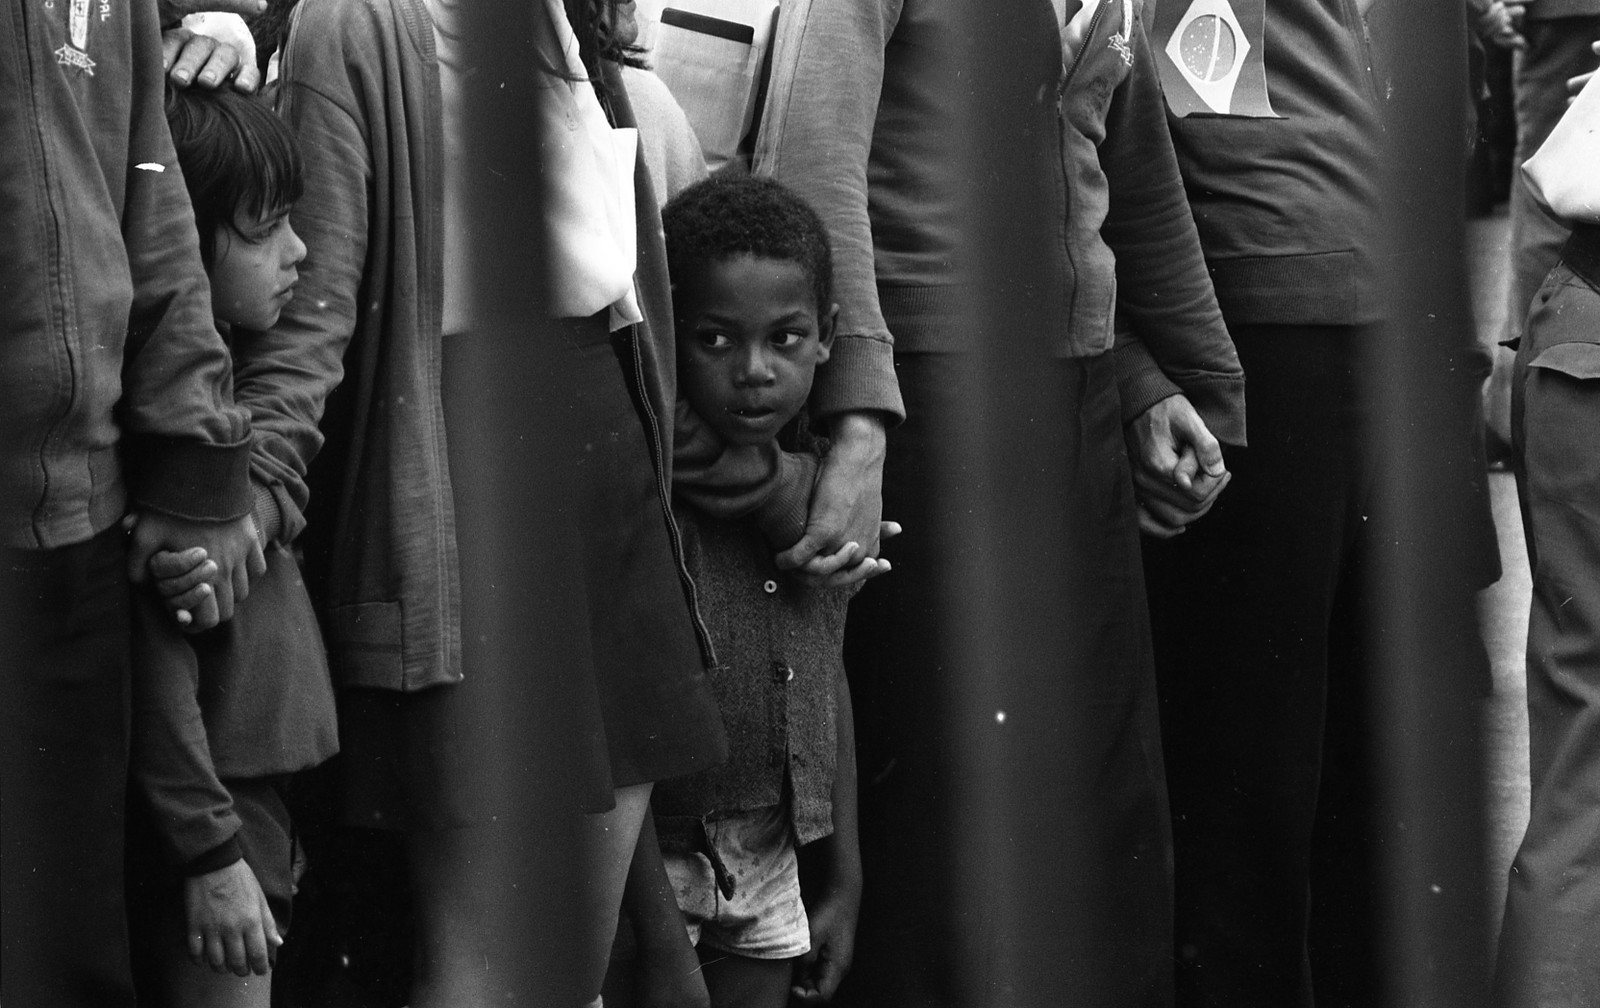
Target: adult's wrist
[(859, 429)]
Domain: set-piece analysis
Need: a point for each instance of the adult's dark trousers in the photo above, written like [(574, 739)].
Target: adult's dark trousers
[(1243, 607), (1551, 929), (64, 695), (1014, 832)]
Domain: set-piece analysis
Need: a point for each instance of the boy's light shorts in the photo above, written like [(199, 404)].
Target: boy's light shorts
[(764, 919)]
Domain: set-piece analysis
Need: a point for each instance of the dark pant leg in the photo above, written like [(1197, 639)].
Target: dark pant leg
[(1551, 932), (1557, 50), (1241, 605), (1015, 843), (64, 694), (894, 652)]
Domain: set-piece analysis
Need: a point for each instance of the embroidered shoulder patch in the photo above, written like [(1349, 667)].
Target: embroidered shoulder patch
[(1120, 41), (75, 58)]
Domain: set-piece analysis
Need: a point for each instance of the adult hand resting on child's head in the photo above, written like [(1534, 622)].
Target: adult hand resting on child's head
[(1178, 471), (1501, 24), (230, 555), (846, 508), (212, 45)]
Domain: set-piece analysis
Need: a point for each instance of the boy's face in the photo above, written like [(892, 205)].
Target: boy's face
[(751, 335), (253, 277)]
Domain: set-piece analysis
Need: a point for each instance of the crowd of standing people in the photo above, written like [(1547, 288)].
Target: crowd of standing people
[(873, 502)]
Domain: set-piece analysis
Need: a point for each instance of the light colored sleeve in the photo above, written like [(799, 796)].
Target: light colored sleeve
[(816, 138), (667, 142)]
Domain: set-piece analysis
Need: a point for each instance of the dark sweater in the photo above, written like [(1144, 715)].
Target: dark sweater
[(779, 662), (251, 698), (1111, 216), (1286, 207)]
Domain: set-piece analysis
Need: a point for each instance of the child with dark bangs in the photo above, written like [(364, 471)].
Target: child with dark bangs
[(223, 718)]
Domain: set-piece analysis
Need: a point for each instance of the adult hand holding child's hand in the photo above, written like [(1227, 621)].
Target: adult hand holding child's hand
[(843, 530), (183, 580), (230, 548)]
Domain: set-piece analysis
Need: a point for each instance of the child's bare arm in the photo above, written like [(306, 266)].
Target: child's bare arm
[(830, 876), (230, 926), (666, 969)]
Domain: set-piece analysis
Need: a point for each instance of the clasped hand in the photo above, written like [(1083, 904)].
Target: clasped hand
[(1178, 470), (201, 570)]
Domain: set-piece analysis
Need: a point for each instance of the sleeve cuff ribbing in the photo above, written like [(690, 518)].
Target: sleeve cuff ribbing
[(859, 376), (189, 479)]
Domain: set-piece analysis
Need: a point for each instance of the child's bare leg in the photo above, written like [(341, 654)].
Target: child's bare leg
[(482, 929), (191, 986), (445, 866), (607, 840), (736, 981)]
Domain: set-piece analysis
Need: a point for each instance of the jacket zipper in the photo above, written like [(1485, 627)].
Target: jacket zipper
[(663, 494), (1066, 78), (1061, 159)]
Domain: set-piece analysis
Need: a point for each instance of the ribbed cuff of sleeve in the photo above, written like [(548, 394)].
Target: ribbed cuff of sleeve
[(859, 376), (1141, 384), (1140, 381), (1142, 391), (220, 856), (1220, 403), (782, 519), (268, 515), (190, 479)]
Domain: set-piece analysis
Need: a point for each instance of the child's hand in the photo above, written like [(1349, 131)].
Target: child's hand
[(849, 564), (833, 942), (231, 545), (183, 580), (847, 502), (230, 925)]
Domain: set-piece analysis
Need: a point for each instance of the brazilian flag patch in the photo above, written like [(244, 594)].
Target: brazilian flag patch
[(1212, 57)]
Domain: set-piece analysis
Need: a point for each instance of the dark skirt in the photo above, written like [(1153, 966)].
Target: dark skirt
[(582, 670)]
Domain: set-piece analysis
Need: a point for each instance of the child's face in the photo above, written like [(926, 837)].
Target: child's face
[(253, 277), (751, 335)]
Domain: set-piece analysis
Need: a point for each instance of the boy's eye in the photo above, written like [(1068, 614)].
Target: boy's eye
[(713, 339), (788, 338)]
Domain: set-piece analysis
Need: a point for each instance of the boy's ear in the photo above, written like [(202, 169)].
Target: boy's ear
[(827, 322)]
